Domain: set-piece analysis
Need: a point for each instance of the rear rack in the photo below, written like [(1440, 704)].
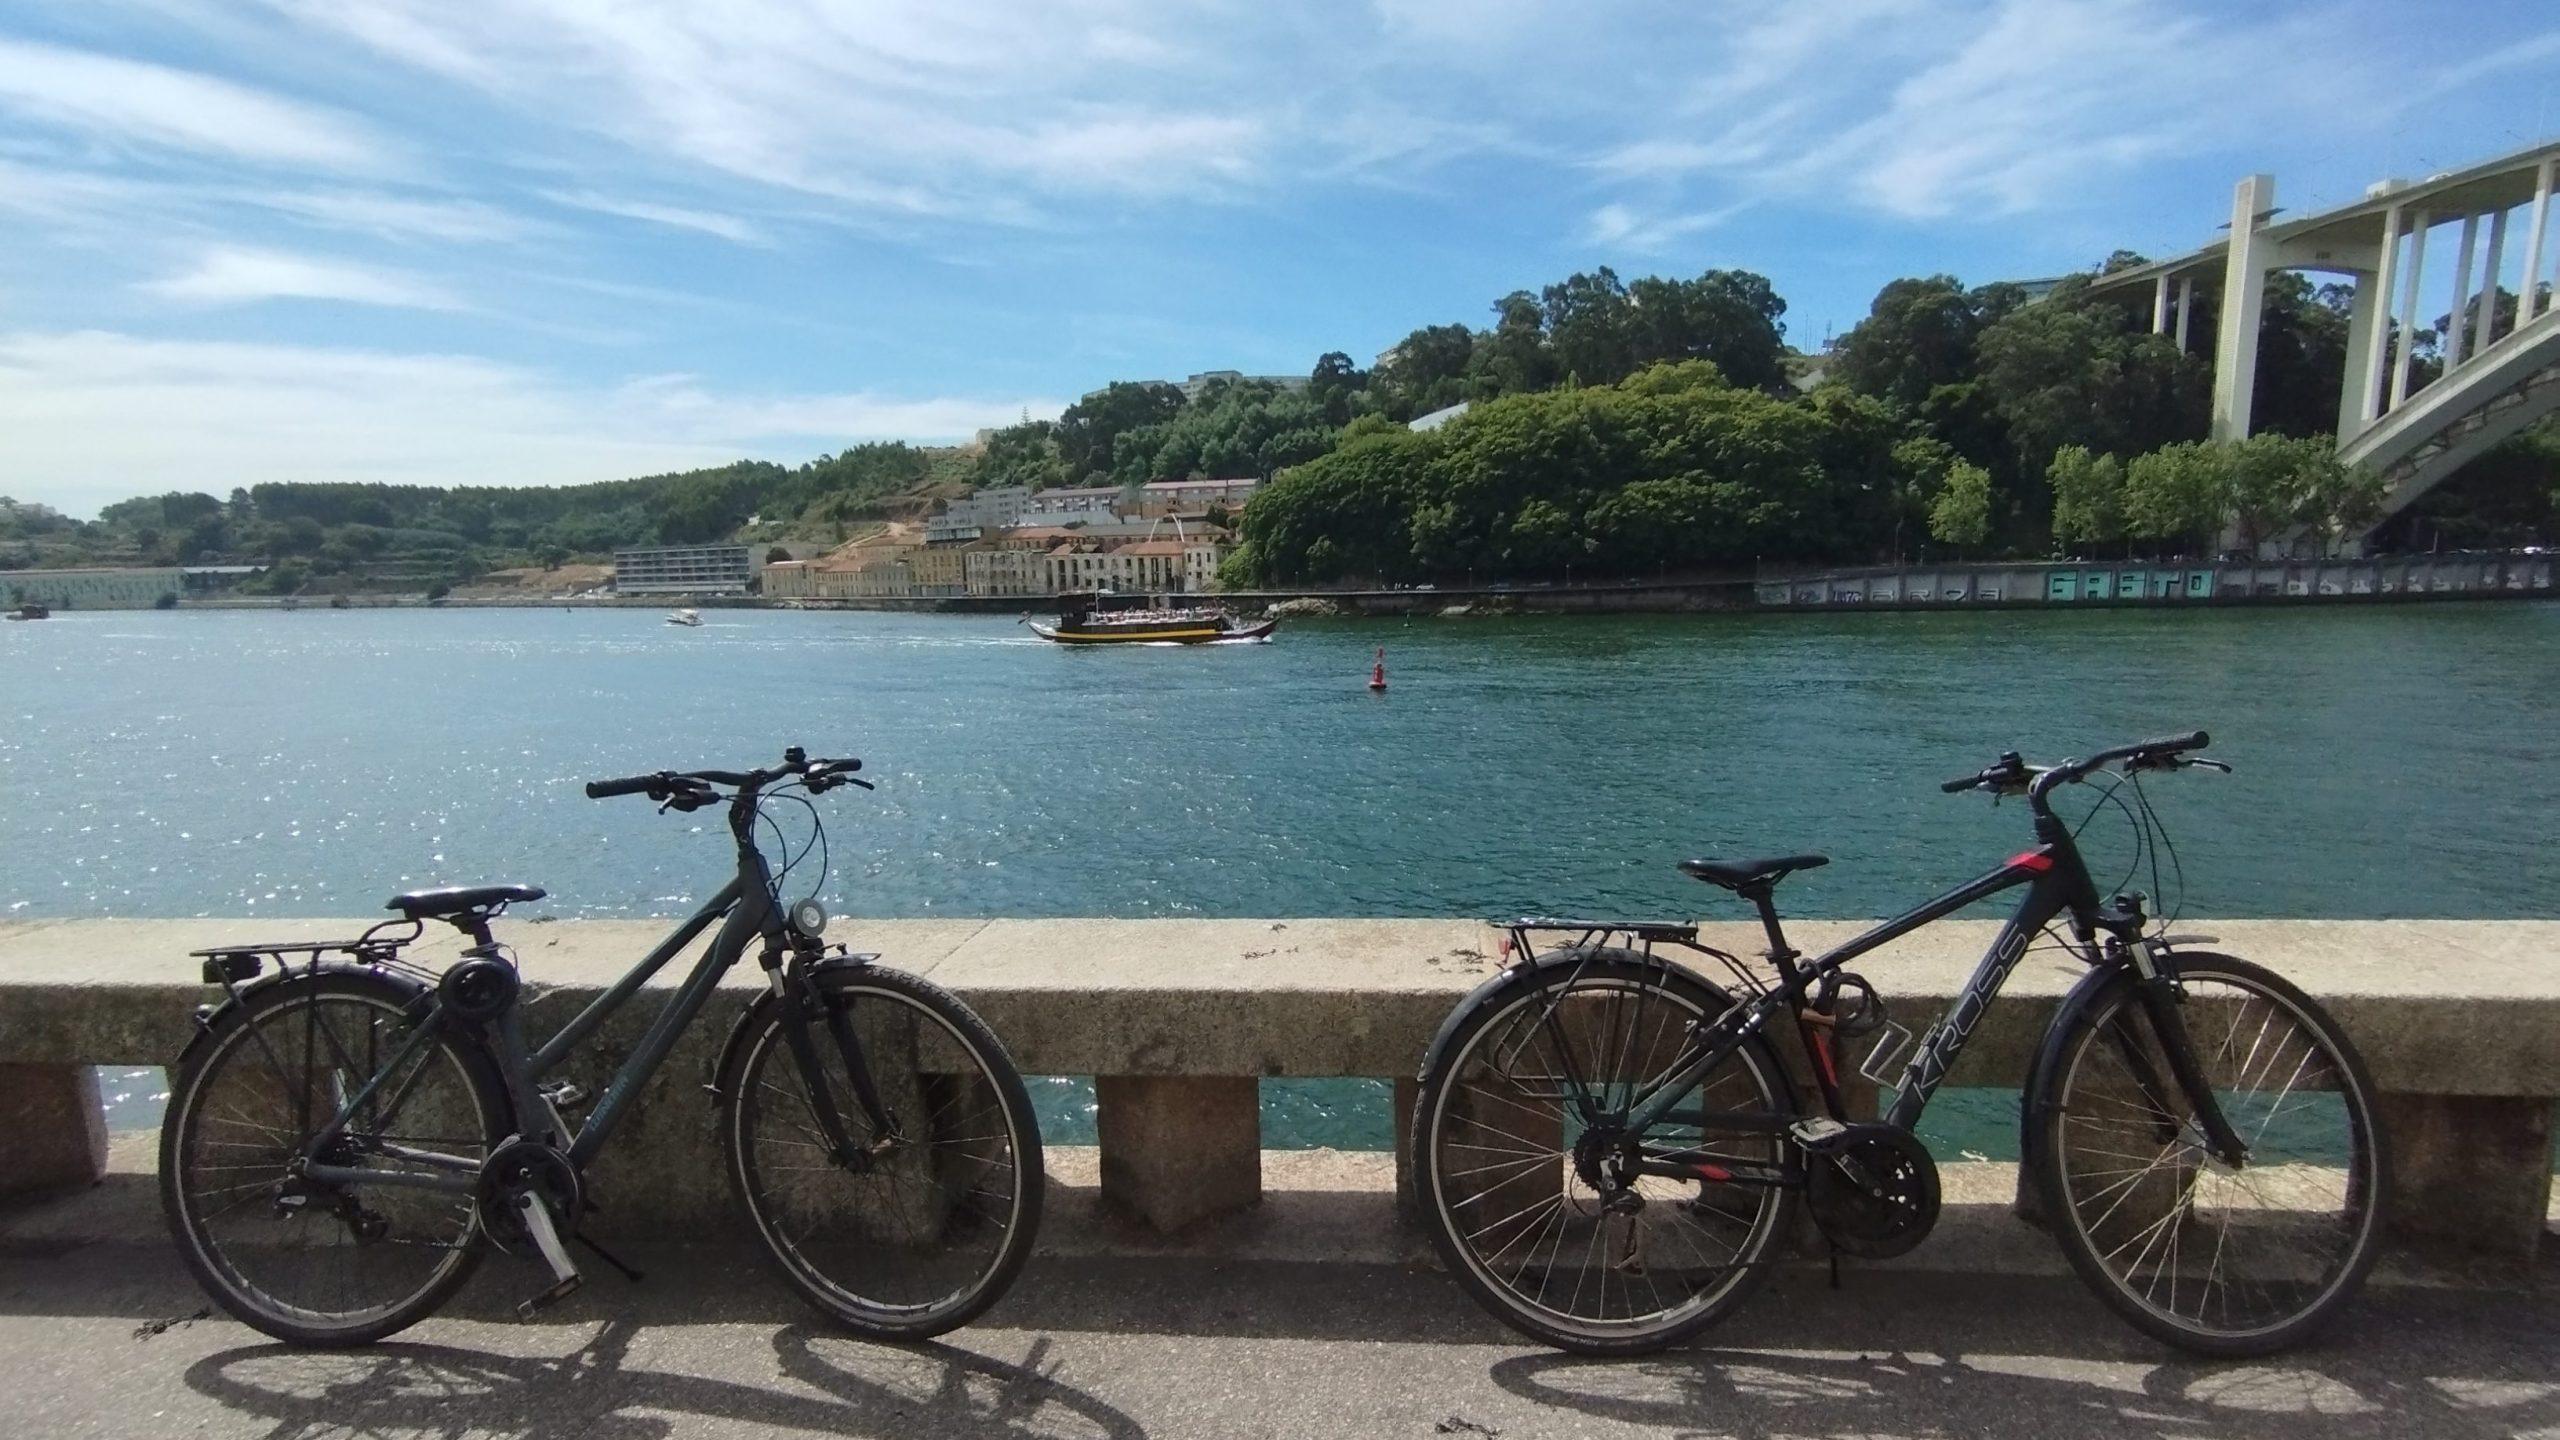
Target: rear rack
[(227, 965), (1529, 935)]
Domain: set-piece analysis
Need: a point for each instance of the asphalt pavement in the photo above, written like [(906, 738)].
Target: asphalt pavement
[(104, 1335)]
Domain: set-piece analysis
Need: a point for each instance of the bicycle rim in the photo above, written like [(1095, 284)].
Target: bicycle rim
[(935, 1222), (1529, 1227), (2198, 1251), (314, 1263)]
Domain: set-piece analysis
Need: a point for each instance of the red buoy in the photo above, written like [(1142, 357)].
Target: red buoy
[(1378, 673)]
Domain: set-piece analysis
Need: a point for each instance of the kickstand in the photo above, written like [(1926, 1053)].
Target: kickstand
[(635, 1277), (1831, 1249)]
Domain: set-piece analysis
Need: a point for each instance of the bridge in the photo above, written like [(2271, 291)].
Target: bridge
[(2501, 371)]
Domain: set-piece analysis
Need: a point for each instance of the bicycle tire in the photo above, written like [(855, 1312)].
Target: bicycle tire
[(2325, 1147), (763, 1066), (1440, 1170), (250, 1044)]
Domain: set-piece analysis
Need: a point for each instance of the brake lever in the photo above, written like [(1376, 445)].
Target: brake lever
[(2211, 765), (853, 780)]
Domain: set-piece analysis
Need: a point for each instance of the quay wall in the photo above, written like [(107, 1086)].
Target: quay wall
[(1178, 1020)]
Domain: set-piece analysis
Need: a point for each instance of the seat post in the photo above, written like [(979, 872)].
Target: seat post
[(474, 923), (1761, 895)]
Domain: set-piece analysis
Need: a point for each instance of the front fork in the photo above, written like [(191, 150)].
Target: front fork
[(2155, 980), (801, 1001)]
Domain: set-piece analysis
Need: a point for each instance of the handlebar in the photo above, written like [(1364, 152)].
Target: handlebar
[(2010, 775), (696, 784)]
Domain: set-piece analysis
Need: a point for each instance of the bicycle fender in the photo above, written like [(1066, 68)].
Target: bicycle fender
[(209, 1016), (2087, 994), (1520, 976), (745, 1024)]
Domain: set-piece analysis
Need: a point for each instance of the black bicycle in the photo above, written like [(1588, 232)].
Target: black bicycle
[(1609, 1145), (347, 1132)]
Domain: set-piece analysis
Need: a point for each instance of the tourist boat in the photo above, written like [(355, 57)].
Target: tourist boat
[(684, 617), (30, 612), (1107, 619)]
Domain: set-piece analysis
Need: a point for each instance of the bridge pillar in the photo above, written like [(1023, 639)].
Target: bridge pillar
[(2368, 332), (2244, 300), (2542, 181), (2486, 329), (2453, 326), (2409, 306)]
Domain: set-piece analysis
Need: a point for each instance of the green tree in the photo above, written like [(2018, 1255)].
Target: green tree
[(2179, 494), (1731, 319), (1919, 335), (2073, 371), (1024, 454), (1961, 515), (1425, 371), (1512, 358), (1334, 384), (2088, 497), (1090, 430)]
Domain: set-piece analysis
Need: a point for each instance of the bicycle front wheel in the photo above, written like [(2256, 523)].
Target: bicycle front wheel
[(306, 1262), (2206, 1256), (930, 1227)]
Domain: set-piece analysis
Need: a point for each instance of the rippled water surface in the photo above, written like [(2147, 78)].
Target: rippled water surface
[(2392, 761)]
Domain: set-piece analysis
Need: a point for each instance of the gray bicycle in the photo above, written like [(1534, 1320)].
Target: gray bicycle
[(349, 1130)]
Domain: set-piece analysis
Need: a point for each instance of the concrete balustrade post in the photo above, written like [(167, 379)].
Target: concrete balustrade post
[(1179, 1149), (2470, 1173), (53, 1134)]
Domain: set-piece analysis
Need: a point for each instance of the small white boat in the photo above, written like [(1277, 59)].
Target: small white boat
[(684, 617)]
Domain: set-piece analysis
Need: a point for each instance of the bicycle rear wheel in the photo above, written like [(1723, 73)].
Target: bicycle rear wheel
[(309, 1263), (933, 1226), (1504, 1159), (2214, 1259)]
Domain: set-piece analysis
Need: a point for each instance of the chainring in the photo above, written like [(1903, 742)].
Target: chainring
[(1873, 1190), (521, 1167)]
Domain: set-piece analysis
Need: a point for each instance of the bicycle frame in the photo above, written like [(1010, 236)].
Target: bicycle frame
[(745, 916), (2049, 894)]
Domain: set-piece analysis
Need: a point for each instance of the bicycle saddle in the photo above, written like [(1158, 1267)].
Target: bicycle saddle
[(455, 899), (1739, 874)]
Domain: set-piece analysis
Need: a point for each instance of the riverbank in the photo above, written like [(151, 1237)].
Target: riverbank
[(2004, 585)]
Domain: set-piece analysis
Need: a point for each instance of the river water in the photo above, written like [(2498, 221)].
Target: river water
[(2393, 761)]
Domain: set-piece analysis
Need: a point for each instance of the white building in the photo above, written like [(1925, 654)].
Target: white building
[(1088, 501), (91, 588), (1191, 497), (1006, 572), (686, 570), (977, 512), (1150, 567)]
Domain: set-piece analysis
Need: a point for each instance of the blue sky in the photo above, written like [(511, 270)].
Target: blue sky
[(438, 241)]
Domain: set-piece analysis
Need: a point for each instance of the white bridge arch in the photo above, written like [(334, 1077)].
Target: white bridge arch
[(2496, 379)]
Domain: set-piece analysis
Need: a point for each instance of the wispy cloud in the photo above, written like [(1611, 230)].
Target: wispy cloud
[(224, 414), (1621, 227), (933, 111), (234, 275), (674, 217), (133, 103), (1921, 109)]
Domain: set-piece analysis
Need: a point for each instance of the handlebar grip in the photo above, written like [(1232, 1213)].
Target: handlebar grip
[(1965, 783), (629, 785), (2192, 740)]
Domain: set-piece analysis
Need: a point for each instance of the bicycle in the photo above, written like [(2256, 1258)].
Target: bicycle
[(1609, 1145), (347, 1134)]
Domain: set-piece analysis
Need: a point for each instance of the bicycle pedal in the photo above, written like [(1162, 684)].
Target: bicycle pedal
[(560, 1290), (564, 1094)]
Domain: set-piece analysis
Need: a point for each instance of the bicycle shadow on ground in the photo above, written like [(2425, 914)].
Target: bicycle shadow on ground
[(2378, 1376), (597, 1393)]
